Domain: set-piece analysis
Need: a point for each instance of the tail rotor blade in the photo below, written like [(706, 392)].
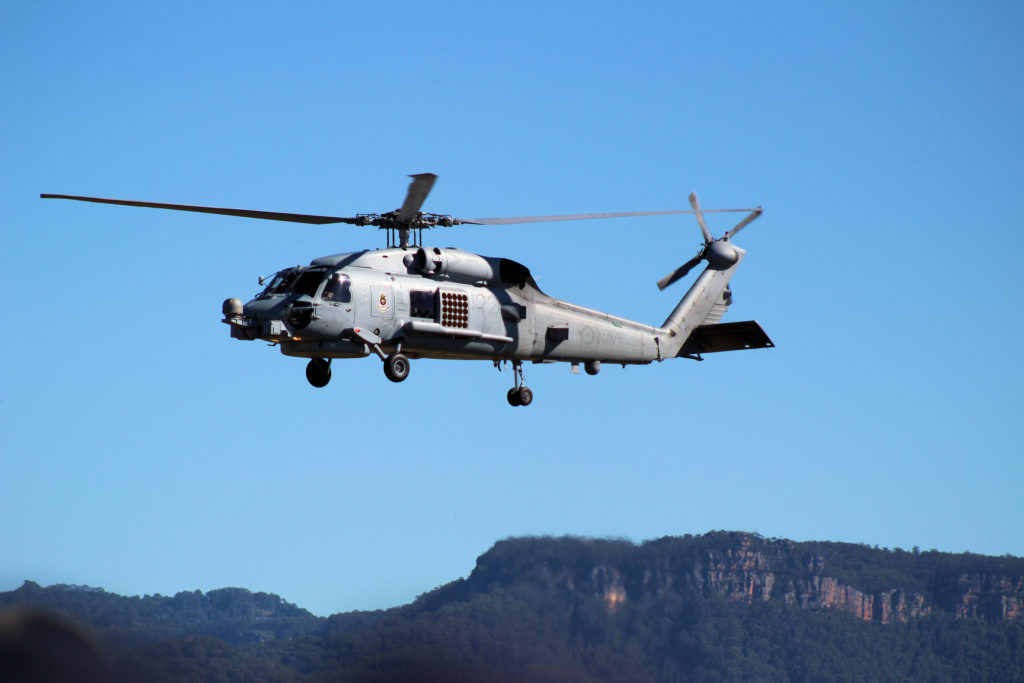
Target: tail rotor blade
[(680, 272), (708, 239), (756, 213), (419, 188)]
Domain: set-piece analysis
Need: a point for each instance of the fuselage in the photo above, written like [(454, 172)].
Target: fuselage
[(432, 303)]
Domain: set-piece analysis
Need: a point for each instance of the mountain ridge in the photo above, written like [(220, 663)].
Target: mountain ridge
[(747, 566), (716, 606)]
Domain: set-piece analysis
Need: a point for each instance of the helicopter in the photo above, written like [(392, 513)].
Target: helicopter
[(410, 301)]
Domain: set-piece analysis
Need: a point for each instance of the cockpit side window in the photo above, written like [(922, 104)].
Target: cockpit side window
[(338, 289), (308, 282)]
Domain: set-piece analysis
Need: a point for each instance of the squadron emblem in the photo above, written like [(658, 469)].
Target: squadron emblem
[(383, 305)]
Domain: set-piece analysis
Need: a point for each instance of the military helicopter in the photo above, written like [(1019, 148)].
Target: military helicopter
[(411, 301)]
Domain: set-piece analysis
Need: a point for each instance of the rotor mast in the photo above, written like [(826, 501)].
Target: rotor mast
[(409, 217)]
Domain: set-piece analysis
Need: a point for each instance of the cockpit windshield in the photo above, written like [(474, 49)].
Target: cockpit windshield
[(279, 283), (294, 280)]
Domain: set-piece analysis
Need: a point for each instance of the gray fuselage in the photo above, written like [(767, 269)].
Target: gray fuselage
[(435, 303)]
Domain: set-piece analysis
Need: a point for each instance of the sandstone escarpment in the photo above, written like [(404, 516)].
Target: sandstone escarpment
[(876, 585)]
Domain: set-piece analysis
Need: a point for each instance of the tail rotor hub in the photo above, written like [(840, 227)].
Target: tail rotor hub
[(721, 254)]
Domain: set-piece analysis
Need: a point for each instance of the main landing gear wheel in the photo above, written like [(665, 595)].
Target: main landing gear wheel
[(519, 395), (396, 367), (318, 372)]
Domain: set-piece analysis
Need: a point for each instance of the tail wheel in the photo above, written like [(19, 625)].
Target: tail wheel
[(396, 367), (525, 396), (513, 397), (318, 372)]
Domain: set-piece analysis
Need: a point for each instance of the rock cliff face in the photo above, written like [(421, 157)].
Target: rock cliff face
[(746, 567), (990, 597)]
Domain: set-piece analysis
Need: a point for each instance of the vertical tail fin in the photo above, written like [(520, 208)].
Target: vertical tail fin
[(708, 293)]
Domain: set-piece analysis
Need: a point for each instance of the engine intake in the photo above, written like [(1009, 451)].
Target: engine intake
[(454, 263), (465, 266)]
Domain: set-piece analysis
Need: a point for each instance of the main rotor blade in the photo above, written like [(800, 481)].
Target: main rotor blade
[(708, 239), (419, 188), (680, 272), (754, 215), (579, 217), (244, 213)]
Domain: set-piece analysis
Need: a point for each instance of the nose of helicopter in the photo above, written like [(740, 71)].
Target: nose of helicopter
[(251, 320), (260, 309), (252, 310), (234, 312)]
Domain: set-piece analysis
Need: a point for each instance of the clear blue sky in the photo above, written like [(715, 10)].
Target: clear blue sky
[(145, 451)]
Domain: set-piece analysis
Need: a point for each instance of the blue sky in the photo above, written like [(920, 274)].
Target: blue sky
[(145, 451)]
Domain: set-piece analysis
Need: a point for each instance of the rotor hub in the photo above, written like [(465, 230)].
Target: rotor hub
[(721, 254)]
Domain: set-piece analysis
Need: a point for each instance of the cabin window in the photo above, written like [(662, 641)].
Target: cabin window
[(421, 304), (338, 289)]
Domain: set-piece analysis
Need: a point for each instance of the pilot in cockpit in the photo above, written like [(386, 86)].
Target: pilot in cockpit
[(337, 289)]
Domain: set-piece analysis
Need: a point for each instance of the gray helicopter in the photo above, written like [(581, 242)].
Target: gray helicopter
[(411, 301)]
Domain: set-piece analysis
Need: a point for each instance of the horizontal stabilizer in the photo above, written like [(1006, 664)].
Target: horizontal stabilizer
[(726, 337)]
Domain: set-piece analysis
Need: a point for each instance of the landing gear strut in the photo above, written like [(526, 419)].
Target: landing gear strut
[(318, 372), (520, 394)]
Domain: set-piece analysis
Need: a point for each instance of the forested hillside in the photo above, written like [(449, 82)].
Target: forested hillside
[(721, 606)]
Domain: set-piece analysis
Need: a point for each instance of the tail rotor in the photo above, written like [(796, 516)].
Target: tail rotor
[(717, 252)]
